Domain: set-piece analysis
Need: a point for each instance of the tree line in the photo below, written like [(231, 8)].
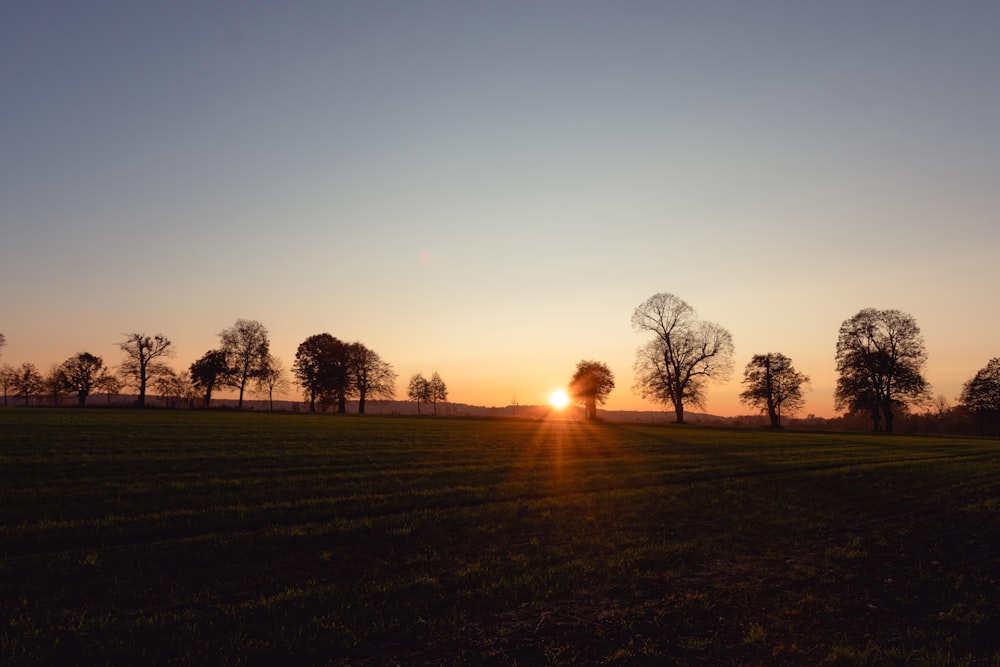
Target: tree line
[(329, 371), (880, 359)]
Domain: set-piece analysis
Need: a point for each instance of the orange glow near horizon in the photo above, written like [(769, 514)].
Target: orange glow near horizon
[(558, 399)]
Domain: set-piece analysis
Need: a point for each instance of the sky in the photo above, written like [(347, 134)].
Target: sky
[(488, 190)]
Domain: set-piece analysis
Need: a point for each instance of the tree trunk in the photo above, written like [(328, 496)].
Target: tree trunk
[(361, 402), (242, 385), (888, 420), (590, 412), (679, 411)]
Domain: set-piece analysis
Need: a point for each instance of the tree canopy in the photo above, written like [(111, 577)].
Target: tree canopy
[(773, 386), (437, 390), (209, 372), (981, 395), (82, 374), (28, 381), (370, 376), (321, 369), (590, 386), (880, 360), (246, 345), (418, 390)]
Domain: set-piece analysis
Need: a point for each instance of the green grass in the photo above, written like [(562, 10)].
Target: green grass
[(139, 537)]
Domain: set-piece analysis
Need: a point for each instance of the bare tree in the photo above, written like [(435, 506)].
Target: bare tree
[(81, 374), (941, 406), (55, 384), (683, 355), (246, 345), (438, 391), (28, 382), (3, 341), (370, 376), (773, 386), (162, 385), (419, 390), (272, 378), (172, 387), (880, 359), (208, 372), (110, 384), (143, 355), (590, 385)]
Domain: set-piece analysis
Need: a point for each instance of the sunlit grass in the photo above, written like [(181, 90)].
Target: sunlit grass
[(214, 537)]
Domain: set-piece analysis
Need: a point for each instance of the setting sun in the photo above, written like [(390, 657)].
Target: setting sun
[(559, 399)]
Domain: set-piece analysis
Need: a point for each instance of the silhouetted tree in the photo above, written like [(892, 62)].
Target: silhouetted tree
[(142, 362), (162, 383), (338, 365), (246, 345), (6, 373), (110, 384), (419, 390), (590, 385), (308, 367), (8, 378), (210, 371), (981, 395), (81, 374), (320, 368), (271, 379), (55, 384), (683, 355), (773, 386), (438, 391), (172, 386), (370, 376), (880, 359), (28, 382)]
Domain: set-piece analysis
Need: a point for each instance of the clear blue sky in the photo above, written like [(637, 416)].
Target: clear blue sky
[(489, 189)]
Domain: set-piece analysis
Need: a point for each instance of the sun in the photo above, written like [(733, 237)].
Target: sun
[(559, 399)]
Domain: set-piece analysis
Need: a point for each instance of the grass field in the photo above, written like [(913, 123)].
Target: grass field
[(153, 537)]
